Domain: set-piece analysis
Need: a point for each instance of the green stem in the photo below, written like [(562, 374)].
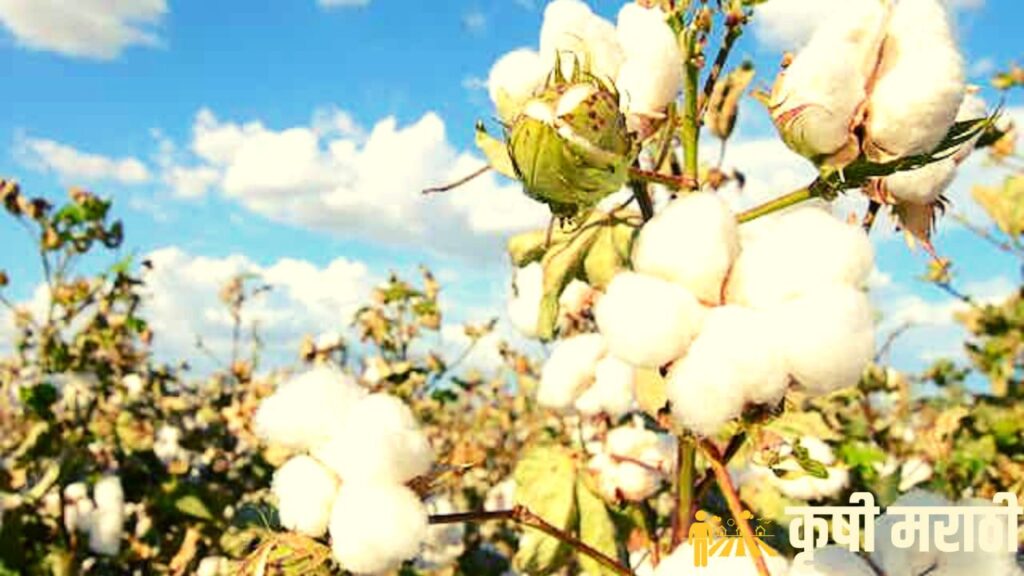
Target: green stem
[(689, 127), (686, 460), (781, 203)]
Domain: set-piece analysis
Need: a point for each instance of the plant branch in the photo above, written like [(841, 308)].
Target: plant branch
[(689, 127), (735, 506), (782, 202), (686, 463), (735, 443), (523, 516), (459, 182), (732, 34), (643, 199)]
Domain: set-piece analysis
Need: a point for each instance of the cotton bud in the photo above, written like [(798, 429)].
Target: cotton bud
[(524, 304), (306, 410), (647, 321), (692, 242), (830, 561), (374, 527), (513, 80), (379, 441), (798, 252), (734, 361), (107, 520), (651, 75), (305, 490), (827, 338), (570, 370), (612, 392)]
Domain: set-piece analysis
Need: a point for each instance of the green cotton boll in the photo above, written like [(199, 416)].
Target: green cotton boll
[(570, 147)]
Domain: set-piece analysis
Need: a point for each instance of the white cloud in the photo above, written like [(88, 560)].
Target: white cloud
[(342, 3), (75, 166), (332, 175), (475, 21), (979, 69), (99, 29)]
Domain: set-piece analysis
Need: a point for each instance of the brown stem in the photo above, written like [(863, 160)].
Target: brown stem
[(735, 443), (643, 199), (674, 182), (735, 506), (522, 515), (459, 182)]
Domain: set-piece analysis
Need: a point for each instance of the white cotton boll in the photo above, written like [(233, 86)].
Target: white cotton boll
[(632, 463), (524, 302), (692, 242), (651, 75), (108, 493), (133, 384), (305, 411), (380, 441), (815, 100), (444, 542), (830, 561), (502, 495), (827, 338), (574, 299), (329, 341), (305, 490), (647, 321), (920, 85), (734, 361), (570, 370), (107, 520), (797, 253), (213, 566), (513, 80), (612, 392), (899, 561), (914, 471), (572, 32), (374, 528), (923, 185), (167, 447)]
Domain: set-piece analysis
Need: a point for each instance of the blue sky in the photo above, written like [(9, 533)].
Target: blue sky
[(348, 110)]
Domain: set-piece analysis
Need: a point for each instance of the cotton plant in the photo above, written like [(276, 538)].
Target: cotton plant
[(100, 518)]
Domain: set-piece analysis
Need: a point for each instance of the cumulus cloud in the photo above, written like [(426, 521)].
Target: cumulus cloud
[(73, 166), (332, 175), (97, 29)]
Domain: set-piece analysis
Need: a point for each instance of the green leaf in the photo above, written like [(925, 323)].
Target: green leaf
[(609, 255), (561, 264), (192, 505), (39, 398), (546, 485), (809, 465), (596, 529), (496, 152)]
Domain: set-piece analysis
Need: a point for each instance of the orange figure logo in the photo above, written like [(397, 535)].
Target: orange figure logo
[(700, 538)]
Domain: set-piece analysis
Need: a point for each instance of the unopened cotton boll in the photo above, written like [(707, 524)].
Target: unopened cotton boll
[(647, 321), (380, 441), (570, 370), (524, 303), (651, 75), (513, 80), (830, 561), (920, 84), (827, 338), (692, 242), (797, 253), (375, 527), (305, 490), (612, 392), (306, 411), (734, 361)]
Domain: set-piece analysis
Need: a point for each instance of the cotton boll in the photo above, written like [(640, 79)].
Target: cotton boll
[(651, 75), (572, 33), (213, 566), (816, 99), (827, 338), (133, 384), (524, 304), (632, 463), (797, 253), (380, 441), (570, 370), (305, 411), (830, 561), (305, 490), (920, 84), (107, 520), (898, 561), (513, 80), (733, 361), (444, 542), (612, 392), (375, 527), (810, 488), (692, 242), (647, 321), (166, 446), (923, 185), (108, 494), (574, 299)]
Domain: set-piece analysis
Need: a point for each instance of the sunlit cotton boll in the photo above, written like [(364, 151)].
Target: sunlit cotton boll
[(632, 463), (911, 561), (107, 520), (647, 321), (733, 361), (167, 447), (830, 561), (612, 392), (796, 254), (573, 35), (570, 370), (651, 75), (692, 242), (375, 527), (513, 80), (524, 302), (920, 83), (827, 338), (380, 441), (444, 542), (914, 471), (306, 411), (305, 490)]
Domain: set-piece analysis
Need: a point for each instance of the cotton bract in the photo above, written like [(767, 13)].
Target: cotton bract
[(305, 490), (374, 528)]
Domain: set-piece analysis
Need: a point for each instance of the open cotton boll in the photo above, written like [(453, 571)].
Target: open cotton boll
[(612, 392), (513, 80), (106, 522), (305, 490), (524, 303), (375, 527), (569, 370), (830, 561), (651, 74), (815, 100), (827, 338), (732, 362), (306, 410), (920, 83), (380, 441), (647, 321), (911, 561), (572, 33), (797, 253), (923, 185), (574, 299), (632, 463), (692, 242)]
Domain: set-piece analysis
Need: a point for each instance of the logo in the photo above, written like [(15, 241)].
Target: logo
[(710, 538)]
